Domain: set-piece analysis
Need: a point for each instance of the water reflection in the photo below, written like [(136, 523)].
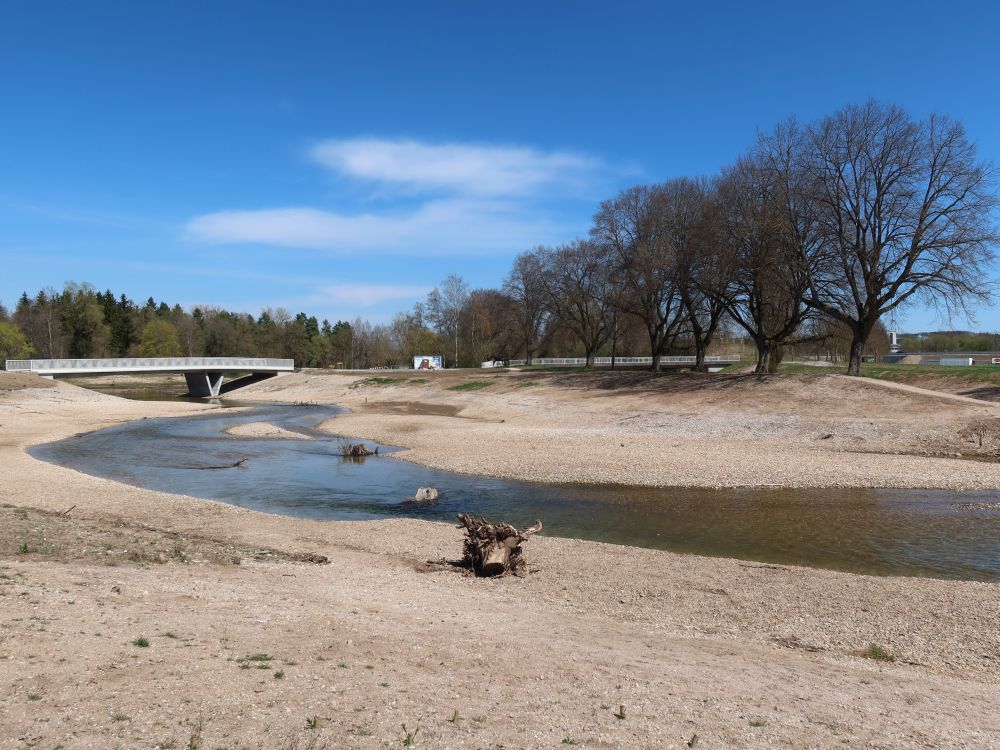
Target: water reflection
[(904, 532)]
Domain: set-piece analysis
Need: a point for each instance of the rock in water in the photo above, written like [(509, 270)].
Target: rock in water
[(425, 495)]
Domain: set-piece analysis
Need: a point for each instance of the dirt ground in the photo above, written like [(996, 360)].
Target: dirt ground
[(136, 619)]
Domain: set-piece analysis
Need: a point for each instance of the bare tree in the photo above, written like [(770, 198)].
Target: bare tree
[(491, 320), (630, 230), (525, 287), (691, 223), (576, 283), (904, 211), (769, 227), (444, 308)]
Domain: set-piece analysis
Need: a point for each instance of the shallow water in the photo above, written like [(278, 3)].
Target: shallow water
[(897, 532)]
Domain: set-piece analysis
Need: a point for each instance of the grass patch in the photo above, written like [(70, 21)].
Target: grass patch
[(260, 661), (378, 381), (909, 373), (733, 367), (409, 737), (794, 368), (898, 373), (419, 381), (877, 652), (140, 642), (472, 385), (556, 368)]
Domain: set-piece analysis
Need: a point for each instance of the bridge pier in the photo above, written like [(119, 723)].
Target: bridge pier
[(203, 384)]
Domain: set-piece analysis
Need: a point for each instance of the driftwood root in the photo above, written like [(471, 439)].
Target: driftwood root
[(494, 549)]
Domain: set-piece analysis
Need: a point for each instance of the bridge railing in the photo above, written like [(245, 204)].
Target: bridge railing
[(149, 363), (606, 361)]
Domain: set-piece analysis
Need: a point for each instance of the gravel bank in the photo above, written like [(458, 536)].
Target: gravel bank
[(691, 431), (265, 430)]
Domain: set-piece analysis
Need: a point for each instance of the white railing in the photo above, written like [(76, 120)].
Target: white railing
[(139, 364), (606, 361)]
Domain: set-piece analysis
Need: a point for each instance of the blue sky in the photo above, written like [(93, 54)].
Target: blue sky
[(341, 159)]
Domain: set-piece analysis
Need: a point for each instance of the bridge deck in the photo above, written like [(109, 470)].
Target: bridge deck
[(149, 364), (203, 374)]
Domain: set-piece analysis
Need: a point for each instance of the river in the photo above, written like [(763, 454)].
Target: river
[(885, 532)]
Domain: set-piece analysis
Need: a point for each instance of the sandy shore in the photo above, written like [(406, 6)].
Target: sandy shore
[(685, 430), (699, 651), (265, 430)]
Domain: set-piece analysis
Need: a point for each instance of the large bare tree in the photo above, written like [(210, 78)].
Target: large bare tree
[(769, 227), (576, 283), (904, 212), (691, 221), (524, 285), (635, 239)]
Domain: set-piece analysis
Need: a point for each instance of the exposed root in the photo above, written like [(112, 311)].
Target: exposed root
[(494, 549)]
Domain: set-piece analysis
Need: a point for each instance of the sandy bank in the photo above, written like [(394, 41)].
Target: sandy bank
[(740, 654), (674, 430), (265, 430)]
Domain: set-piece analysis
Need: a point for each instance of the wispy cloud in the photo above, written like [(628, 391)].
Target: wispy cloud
[(471, 199), (368, 295), (454, 167), (440, 227)]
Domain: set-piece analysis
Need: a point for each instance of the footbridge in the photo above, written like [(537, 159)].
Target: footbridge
[(204, 375)]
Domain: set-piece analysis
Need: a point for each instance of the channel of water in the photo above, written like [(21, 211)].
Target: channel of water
[(885, 532)]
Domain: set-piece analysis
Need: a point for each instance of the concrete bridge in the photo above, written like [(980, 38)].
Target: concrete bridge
[(203, 374)]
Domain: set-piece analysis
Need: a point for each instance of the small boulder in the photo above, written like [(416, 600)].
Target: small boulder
[(425, 495)]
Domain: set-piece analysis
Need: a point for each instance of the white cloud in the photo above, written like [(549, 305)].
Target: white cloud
[(366, 295), (453, 167), (441, 227), (474, 199)]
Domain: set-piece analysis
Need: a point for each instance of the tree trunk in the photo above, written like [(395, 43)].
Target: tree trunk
[(699, 355), (590, 354), (763, 357), (857, 347)]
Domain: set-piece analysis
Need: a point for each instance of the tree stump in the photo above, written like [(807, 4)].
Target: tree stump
[(494, 549), (356, 450)]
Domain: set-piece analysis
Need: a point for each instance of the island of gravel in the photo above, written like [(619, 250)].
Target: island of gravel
[(132, 618)]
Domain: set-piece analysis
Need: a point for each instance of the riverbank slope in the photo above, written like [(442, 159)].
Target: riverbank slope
[(672, 429), (127, 622)]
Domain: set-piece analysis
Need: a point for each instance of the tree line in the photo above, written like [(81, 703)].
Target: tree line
[(80, 322), (808, 239), (818, 229)]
